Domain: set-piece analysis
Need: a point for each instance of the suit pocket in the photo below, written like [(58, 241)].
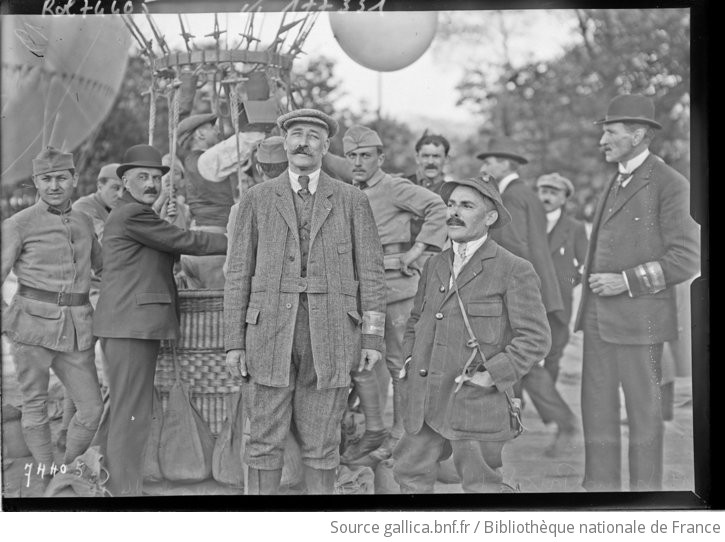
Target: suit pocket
[(486, 320), (252, 315), (477, 409), (355, 317), (152, 298)]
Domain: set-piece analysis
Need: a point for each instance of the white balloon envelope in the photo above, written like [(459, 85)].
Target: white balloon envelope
[(384, 41), (60, 76)]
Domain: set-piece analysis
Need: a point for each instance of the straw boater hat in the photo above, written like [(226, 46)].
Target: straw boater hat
[(360, 136), (486, 185), (631, 108), (141, 156), (51, 159), (309, 116), (554, 180), (503, 147)]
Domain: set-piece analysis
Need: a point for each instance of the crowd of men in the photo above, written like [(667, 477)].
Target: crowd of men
[(340, 276)]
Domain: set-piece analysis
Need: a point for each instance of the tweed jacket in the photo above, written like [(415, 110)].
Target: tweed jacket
[(501, 293), (651, 237), (568, 246), (138, 298), (525, 236), (345, 282)]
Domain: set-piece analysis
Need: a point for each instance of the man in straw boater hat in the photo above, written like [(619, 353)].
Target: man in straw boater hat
[(52, 248), (395, 201), (478, 325), (304, 304), (137, 307), (643, 242)]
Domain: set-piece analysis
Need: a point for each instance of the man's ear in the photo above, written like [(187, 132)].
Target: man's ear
[(491, 217)]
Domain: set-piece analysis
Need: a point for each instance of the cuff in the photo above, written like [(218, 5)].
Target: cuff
[(372, 342), (373, 323), (501, 371), (647, 278)]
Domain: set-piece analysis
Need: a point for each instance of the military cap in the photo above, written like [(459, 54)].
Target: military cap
[(631, 108), (141, 156), (108, 172), (486, 185), (503, 147), (554, 180), (311, 116), (51, 159), (360, 136), (271, 151), (189, 124)]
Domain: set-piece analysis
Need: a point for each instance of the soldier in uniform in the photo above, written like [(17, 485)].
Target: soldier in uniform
[(105, 198), (394, 201), (51, 247), (304, 303), (431, 155)]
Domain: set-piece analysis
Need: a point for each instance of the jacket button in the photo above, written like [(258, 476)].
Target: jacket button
[(291, 258), (423, 373), (288, 305), (443, 288), (439, 316)]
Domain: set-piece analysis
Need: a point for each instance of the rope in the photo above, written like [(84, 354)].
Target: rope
[(173, 100), (152, 113), (234, 107)]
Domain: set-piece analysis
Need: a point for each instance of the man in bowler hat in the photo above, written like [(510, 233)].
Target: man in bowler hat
[(643, 242), (304, 304), (52, 247), (454, 396), (137, 307)]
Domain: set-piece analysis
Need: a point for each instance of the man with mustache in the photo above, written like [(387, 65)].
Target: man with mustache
[(304, 305), (395, 202), (461, 366), (137, 307), (643, 243), (51, 247)]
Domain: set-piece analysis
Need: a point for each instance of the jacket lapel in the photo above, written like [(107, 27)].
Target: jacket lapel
[(284, 203), (640, 179), (322, 206), (474, 267), (559, 235)]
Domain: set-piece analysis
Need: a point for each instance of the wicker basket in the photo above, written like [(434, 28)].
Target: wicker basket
[(201, 356)]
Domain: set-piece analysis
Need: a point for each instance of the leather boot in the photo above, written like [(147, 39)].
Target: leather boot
[(39, 443), (320, 481), (263, 482)]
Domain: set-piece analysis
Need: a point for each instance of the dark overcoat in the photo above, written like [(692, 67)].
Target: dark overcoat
[(568, 246), (501, 293), (345, 281), (138, 298)]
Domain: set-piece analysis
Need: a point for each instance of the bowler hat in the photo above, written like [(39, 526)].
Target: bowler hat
[(189, 124), (310, 116), (271, 151), (503, 147), (360, 136), (108, 172), (486, 185), (51, 159), (141, 156), (631, 108), (554, 180)]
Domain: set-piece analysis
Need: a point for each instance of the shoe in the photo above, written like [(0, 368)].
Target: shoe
[(370, 441), (385, 450), (564, 441)]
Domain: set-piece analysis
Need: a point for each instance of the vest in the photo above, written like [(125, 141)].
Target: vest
[(209, 203)]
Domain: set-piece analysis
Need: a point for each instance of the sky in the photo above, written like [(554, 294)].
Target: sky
[(426, 88)]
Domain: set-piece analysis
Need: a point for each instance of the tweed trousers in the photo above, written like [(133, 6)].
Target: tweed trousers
[(314, 415)]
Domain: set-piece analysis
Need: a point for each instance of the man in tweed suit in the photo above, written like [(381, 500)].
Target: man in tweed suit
[(304, 304), (501, 296), (643, 242)]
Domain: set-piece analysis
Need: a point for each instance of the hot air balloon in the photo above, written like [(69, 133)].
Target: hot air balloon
[(60, 76), (384, 41)]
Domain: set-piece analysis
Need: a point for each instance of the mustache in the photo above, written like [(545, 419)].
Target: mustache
[(431, 166), (151, 191), (302, 149), (453, 221)]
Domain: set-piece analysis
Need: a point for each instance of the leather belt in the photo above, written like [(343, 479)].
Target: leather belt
[(57, 298), (396, 248)]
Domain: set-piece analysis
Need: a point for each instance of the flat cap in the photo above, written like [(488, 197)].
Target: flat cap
[(108, 172), (51, 159), (554, 180), (360, 136), (310, 116), (487, 186), (189, 124), (271, 151)]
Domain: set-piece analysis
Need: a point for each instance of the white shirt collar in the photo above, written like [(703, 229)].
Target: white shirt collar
[(630, 165), (471, 247), (552, 217), (296, 186), (503, 183)]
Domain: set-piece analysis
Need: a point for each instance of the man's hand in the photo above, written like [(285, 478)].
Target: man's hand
[(368, 359), (415, 252), (607, 284), (479, 378), (237, 364)]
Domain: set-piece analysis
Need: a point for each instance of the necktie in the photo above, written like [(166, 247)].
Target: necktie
[(621, 177), (458, 262), (363, 185), (304, 181)]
